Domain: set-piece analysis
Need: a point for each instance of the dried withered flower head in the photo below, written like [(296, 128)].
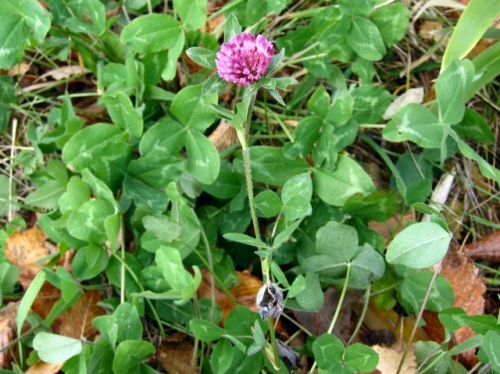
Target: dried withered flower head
[(270, 301)]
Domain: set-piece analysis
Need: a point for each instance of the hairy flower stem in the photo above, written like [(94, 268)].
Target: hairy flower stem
[(244, 135)]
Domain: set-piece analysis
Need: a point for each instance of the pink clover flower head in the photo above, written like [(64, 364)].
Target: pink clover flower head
[(244, 59)]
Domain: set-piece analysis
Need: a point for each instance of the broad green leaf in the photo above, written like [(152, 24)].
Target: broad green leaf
[(70, 294), (156, 171), (203, 158), (169, 261), (206, 331), (164, 138), (312, 297), (451, 86), (364, 69), (129, 323), (151, 33), (416, 123), (341, 110), (214, 84), (306, 134), (296, 196), (419, 246), (203, 57), (102, 357), (245, 239), (193, 13), (18, 21), (124, 114), (87, 222), (173, 56), (79, 17), (328, 351), (453, 318), (378, 206), (364, 37), (474, 21), (267, 204), (231, 28), (360, 358), (54, 349), (222, 356), (319, 102), (366, 267), (142, 194), (337, 240), (298, 285), (370, 103), (97, 258), (227, 185), (163, 227), (108, 327), (99, 188), (414, 288), (471, 343), (46, 196), (102, 148), (473, 126), (347, 179), (197, 117), (490, 345), (130, 354), (392, 22)]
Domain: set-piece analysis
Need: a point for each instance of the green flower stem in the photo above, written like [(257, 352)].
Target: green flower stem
[(244, 136), (339, 307)]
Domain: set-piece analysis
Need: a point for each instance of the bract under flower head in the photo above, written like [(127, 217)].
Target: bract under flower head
[(244, 59)]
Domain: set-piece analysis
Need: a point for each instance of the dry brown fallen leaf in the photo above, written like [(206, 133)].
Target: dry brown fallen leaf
[(8, 315), (223, 136), (468, 288), (393, 225), (390, 357), (402, 327), (27, 249), (318, 323), (44, 368), (243, 294), (487, 248), (176, 357), (77, 321)]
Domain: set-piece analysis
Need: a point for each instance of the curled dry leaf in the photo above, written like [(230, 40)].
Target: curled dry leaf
[(7, 332), (468, 288), (223, 136), (25, 249), (487, 248), (44, 368)]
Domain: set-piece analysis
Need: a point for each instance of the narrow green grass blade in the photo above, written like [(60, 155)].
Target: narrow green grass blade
[(471, 26), (28, 299)]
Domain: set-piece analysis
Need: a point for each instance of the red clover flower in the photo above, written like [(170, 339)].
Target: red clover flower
[(244, 59)]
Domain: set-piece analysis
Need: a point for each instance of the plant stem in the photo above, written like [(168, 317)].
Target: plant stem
[(244, 136), (419, 317), (339, 307)]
